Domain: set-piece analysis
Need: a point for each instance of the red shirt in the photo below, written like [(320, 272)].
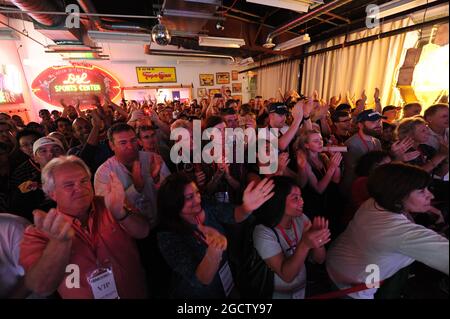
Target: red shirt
[(105, 241)]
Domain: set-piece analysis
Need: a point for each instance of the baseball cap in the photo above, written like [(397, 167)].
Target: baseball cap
[(369, 115), (390, 108), (46, 141), (278, 108)]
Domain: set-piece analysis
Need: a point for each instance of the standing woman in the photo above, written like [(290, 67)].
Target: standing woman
[(192, 240), (321, 174), (382, 234), (285, 237)]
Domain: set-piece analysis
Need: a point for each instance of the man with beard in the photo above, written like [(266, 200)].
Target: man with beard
[(139, 172), (364, 141)]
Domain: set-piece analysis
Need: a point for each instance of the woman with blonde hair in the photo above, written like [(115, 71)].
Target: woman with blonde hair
[(319, 173)]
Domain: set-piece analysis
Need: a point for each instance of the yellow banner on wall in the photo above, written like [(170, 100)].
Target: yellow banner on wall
[(156, 74)]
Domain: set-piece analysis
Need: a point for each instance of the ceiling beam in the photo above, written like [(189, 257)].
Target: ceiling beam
[(263, 20), (327, 21), (336, 16)]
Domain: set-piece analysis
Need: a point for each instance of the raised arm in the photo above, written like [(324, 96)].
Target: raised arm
[(46, 274)]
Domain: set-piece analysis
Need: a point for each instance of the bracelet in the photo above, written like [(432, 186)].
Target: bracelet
[(128, 213)]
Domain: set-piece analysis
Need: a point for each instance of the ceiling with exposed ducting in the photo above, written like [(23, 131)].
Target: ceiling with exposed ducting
[(260, 26)]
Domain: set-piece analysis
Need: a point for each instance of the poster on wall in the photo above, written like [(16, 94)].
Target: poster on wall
[(156, 74), (222, 77), (175, 95), (236, 87), (201, 92), (75, 82), (214, 91), (206, 79), (234, 75), (10, 85), (160, 94)]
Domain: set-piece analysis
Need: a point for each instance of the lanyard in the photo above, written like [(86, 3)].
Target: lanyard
[(288, 240), (364, 141)]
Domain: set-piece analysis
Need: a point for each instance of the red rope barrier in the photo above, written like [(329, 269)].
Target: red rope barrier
[(341, 293)]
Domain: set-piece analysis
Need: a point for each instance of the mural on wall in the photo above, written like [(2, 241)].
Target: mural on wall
[(206, 79), (10, 85), (156, 74), (222, 77), (75, 82)]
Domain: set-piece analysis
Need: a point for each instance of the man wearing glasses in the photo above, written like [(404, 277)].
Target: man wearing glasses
[(342, 124)]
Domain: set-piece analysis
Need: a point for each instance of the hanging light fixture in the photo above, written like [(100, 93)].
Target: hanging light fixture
[(160, 34)]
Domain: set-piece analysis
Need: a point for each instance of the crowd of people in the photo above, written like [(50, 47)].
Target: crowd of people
[(93, 204)]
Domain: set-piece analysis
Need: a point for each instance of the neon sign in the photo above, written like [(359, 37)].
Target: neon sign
[(10, 85), (75, 82)]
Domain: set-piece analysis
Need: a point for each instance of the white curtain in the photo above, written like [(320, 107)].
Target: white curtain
[(272, 79), (364, 66)]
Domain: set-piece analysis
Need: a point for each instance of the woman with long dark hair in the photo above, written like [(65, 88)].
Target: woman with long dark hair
[(382, 239), (192, 240), (285, 237)]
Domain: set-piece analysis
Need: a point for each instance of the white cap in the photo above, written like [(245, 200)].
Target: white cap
[(47, 140)]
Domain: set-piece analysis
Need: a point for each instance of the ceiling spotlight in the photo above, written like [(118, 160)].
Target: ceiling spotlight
[(219, 26), (269, 44), (160, 34)]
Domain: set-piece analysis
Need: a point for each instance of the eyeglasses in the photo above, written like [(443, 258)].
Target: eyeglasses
[(345, 121)]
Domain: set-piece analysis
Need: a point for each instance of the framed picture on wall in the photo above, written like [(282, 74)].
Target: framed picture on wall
[(201, 92), (234, 75), (214, 91), (236, 87), (223, 77), (206, 79)]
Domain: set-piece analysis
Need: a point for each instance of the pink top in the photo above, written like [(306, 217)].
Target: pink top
[(103, 242)]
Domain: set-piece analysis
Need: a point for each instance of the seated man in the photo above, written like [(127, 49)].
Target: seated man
[(84, 248)]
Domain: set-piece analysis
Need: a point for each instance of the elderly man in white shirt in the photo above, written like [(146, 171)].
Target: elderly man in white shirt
[(140, 172)]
